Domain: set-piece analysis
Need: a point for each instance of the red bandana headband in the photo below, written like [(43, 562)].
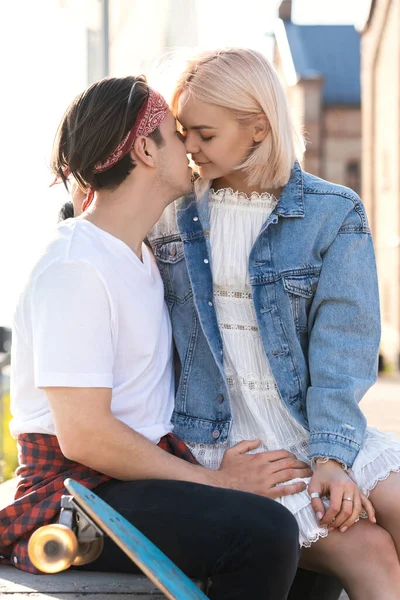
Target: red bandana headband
[(151, 115)]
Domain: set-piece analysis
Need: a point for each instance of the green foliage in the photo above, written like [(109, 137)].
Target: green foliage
[(10, 445)]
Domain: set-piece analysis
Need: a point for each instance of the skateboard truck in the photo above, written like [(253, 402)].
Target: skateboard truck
[(74, 540)]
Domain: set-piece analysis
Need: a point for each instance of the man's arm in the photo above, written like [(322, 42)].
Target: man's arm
[(89, 433)]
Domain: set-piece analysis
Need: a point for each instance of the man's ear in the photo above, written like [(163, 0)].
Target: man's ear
[(144, 151), (261, 128)]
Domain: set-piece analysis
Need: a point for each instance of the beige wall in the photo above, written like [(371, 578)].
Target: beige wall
[(381, 156), (312, 108), (342, 142)]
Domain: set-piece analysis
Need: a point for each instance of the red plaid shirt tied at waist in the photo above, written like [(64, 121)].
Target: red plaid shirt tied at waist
[(41, 474)]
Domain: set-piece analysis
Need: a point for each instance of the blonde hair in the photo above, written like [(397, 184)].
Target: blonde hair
[(245, 82)]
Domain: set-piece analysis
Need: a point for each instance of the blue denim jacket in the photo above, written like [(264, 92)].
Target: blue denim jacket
[(314, 284)]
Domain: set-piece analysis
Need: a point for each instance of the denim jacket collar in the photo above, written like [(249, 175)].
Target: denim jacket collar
[(202, 188), (291, 200), (290, 204)]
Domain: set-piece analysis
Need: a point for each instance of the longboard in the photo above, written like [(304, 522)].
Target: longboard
[(165, 575)]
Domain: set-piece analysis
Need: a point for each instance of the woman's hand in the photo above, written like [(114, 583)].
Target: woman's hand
[(346, 500)]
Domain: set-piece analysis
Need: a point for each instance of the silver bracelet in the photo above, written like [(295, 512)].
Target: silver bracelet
[(321, 460)]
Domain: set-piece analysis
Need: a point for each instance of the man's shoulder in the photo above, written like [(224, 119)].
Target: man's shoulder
[(64, 252)]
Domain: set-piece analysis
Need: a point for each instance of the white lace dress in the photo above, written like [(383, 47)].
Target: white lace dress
[(257, 409)]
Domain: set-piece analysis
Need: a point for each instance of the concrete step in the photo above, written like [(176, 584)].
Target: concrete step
[(74, 584)]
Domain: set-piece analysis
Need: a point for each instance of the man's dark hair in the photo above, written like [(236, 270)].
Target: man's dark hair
[(66, 211), (93, 126)]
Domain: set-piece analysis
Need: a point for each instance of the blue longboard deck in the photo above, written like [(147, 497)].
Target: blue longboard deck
[(158, 567)]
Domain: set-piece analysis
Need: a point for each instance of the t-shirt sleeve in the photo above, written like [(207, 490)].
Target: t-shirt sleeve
[(72, 318)]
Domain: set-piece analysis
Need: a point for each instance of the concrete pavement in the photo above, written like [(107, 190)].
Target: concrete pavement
[(381, 404)]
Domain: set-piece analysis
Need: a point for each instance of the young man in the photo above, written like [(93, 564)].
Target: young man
[(92, 382)]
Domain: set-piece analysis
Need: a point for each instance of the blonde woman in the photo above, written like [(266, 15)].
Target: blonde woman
[(270, 279)]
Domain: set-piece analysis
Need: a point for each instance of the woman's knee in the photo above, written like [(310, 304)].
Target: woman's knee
[(384, 497), (364, 544), (377, 546)]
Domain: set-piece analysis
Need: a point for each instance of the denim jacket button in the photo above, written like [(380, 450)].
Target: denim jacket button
[(220, 398), (206, 261), (216, 434), (210, 304)]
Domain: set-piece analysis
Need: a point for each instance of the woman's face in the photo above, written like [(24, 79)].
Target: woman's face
[(217, 141)]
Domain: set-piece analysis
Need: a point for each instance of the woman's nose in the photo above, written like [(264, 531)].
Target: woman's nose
[(192, 147)]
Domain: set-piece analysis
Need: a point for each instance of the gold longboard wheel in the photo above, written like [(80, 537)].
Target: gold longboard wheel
[(88, 552), (53, 548)]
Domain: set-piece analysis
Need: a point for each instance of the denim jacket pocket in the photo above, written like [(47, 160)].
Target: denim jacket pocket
[(170, 259), (301, 290)]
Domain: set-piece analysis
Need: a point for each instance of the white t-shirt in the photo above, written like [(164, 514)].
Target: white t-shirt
[(93, 315)]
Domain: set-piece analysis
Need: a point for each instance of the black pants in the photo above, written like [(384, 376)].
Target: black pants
[(245, 544), (308, 585)]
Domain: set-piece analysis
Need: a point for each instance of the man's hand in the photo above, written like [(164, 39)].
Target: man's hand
[(346, 500), (261, 473)]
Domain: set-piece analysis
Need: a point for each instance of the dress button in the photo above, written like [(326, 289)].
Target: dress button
[(216, 434), (206, 261), (195, 218), (220, 398)]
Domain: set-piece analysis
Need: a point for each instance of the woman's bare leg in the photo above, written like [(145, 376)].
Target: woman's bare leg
[(386, 500), (364, 559)]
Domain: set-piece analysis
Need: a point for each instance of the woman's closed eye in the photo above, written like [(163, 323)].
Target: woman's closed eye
[(206, 139)]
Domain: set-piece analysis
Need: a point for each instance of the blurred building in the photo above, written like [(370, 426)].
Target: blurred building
[(380, 78), (125, 37), (320, 67)]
